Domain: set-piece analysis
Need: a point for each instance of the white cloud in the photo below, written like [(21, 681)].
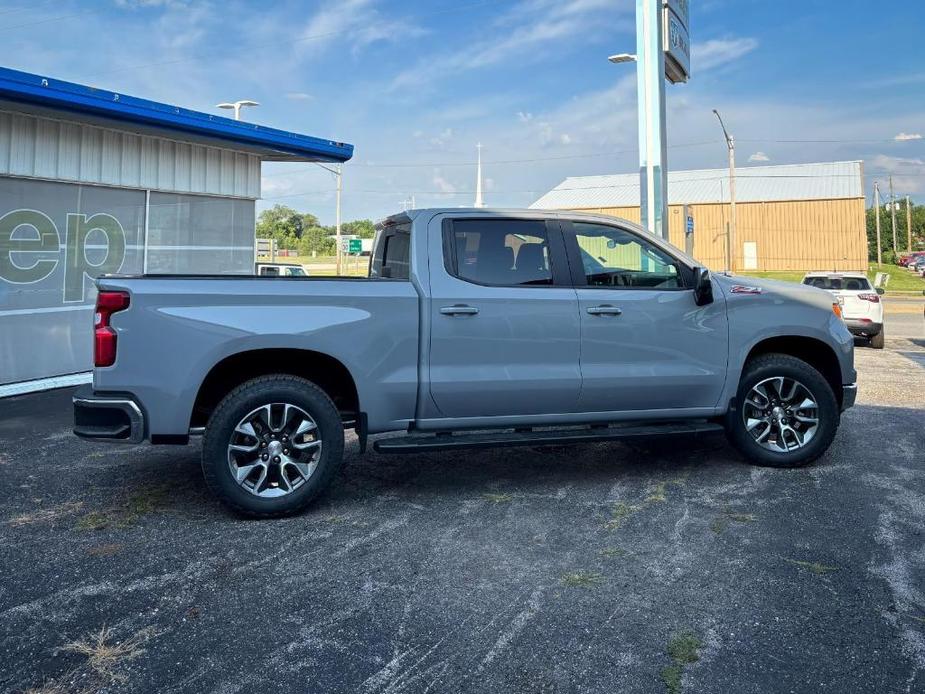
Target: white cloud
[(717, 52), (525, 32), (443, 185), (299, 96), (759, 156), (358, 19), (908, 173), (902, 137), (524, 117)]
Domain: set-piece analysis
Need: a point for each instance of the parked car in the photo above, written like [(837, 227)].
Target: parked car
[(475, 328), (280, 270), (908, 258), (917, 265), (862, 309)]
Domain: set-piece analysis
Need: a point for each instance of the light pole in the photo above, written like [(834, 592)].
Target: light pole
[(338, 171), (730, 144), (236, 106)]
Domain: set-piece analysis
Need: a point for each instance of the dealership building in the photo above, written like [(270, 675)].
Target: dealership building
[(791, 217), (95, 182)]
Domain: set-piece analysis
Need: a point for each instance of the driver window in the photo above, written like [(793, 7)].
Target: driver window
[(616, 258)]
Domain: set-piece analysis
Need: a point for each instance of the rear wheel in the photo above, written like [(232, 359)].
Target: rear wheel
[(786, 414), (877, 341), (272, 446)]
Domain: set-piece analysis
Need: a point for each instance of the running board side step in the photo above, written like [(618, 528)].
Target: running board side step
[(422, 443)]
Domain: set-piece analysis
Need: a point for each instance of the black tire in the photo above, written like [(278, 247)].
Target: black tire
[(250, 396), (877, 341), (771, 366)]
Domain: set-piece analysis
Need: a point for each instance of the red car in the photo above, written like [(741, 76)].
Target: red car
[(905, 259)]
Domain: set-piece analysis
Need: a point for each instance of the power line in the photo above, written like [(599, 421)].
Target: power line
[(21, 8), (274, 44), (47, 20)]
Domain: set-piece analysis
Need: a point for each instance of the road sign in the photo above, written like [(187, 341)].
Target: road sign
[(690, 224), (355, 246)]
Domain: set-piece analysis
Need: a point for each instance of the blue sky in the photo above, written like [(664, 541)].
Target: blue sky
[(415, 85)]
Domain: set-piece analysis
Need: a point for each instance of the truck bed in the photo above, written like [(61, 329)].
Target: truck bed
[(178, 328)]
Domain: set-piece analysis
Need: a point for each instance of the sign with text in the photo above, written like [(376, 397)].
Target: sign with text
[(677, 40), (55, 238)]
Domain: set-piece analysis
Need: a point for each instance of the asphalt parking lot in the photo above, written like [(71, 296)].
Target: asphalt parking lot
[(596, 568)]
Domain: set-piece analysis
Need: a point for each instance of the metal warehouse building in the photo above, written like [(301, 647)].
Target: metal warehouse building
[(794, 217), (95, 182)]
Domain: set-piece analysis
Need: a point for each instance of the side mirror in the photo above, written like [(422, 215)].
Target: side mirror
[(703, 287), (881, 291)]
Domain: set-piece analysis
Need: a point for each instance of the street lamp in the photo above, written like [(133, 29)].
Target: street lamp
[(731, 235), (623, 58), (236, 106)]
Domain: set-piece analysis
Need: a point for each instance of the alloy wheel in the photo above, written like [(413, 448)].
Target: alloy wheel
[(781, 414), (274, 450)]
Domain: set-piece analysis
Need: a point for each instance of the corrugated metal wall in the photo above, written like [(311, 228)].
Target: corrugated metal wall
[(39, 147), (789, 235)]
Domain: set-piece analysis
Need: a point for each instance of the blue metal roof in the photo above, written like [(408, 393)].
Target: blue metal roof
[(275, 144)]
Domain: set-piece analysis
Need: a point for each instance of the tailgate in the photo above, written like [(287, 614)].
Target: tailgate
[(852, 306)]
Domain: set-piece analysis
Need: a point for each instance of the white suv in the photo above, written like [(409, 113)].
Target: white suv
[(860, 303)]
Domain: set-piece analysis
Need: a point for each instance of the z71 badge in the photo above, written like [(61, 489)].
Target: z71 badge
[(742, 289)]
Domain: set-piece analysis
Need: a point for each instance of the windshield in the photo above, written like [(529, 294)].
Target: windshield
[(837, 283)]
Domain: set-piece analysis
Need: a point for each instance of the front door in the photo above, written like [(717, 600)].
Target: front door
[(504, 322), (645, 344)]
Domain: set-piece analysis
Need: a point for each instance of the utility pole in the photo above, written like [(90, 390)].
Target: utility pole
[(908, 225), (339, 168), (877, 217), (731, 146), (893, 214)]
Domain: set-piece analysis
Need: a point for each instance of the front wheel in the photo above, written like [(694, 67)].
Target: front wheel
[(272, 446), (786, 414)]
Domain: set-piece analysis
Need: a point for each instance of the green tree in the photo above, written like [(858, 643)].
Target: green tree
[(281, 223), (364, 228), (317, 239), (890, 254)]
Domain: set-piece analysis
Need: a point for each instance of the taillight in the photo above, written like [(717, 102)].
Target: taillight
[(104, 337), (872, 298)]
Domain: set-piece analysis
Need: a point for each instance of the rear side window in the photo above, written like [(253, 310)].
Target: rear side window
[(392, 256), (499, 252), (838, 283)]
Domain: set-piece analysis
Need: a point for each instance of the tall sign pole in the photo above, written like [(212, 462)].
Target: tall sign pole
[(653, 152), (662, 51)]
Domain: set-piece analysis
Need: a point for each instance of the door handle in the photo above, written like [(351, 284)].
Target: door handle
[(605, 310), (459, 310)]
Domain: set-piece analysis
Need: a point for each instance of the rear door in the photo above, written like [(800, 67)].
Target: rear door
[(505, 333), (645, 344)]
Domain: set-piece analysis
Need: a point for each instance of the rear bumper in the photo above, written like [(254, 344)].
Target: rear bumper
[(107, 417), (849, 395), (867, 328)]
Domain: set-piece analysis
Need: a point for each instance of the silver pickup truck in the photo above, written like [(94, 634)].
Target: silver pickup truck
[(474, 328)]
